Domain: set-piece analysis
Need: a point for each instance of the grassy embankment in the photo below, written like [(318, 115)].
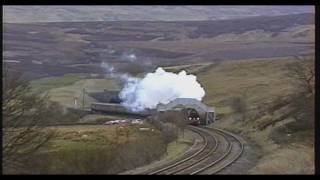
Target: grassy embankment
[(95, 149), (265, 82)]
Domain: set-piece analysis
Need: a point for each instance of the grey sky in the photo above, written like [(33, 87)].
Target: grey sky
[(26, 14)]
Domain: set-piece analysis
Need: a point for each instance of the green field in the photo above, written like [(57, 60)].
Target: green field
[(65, 89), (44, 84)]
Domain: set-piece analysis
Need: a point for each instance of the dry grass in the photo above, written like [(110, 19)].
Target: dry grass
[(94, 134), (265, 81), (288, 160), (97, 149), (277, 158), (180, 145), (174, 149)]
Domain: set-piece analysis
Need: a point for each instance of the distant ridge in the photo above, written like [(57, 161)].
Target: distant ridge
[(28, 14)]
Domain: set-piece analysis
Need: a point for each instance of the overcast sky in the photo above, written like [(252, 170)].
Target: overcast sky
[(151, 13)]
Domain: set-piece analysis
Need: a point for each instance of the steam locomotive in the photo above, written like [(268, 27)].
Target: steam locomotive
[(193, 118)]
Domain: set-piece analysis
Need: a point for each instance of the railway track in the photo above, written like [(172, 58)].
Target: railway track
[(218, 150), (233, 153)]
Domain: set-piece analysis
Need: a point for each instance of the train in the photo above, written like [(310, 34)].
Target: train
[(193, 118), (112, 108)]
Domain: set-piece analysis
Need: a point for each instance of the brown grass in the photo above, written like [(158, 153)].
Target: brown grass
[(94, 149), (288, 160), (265, 81)]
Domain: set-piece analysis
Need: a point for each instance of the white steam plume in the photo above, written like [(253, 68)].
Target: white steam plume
[(110, 70), (159, 87), (129, 57)]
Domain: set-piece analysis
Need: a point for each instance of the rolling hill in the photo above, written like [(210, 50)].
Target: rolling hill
[(25, 14), (52, 49)]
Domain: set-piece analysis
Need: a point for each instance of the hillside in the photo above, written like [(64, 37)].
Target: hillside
[(265, 86), (254, 65), (286, 142), (41, 47)]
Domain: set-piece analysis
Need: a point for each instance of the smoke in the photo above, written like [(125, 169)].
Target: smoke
[(159, 87), (129, 57), (109, 69)]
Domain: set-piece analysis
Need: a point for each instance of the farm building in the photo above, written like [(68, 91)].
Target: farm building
[(194, 107)]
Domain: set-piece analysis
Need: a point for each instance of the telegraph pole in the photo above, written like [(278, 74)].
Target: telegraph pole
[(83, 91)]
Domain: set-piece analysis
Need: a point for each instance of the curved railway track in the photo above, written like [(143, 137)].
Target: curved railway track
[(218, 150), (233, 152)]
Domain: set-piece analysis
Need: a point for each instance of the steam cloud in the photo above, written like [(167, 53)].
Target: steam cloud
[(129, 57), (110, 70), (159, 87)]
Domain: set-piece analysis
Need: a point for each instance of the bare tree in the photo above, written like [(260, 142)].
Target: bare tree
[(171, 131), (302, 74), (22, 111), (239, 105), (177, 118)]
